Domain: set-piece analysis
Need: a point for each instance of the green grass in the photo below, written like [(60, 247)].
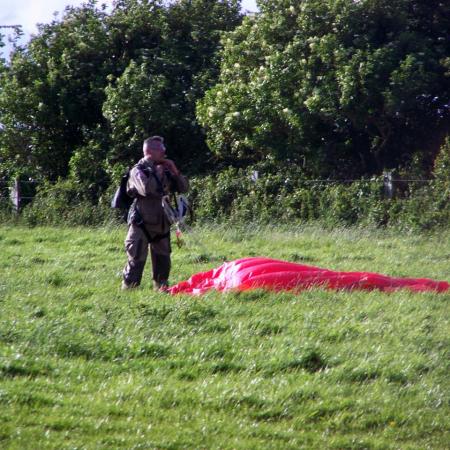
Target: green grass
[(85, 365)]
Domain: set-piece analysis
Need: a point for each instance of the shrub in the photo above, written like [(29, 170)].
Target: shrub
[(276, 196), (232, 195), (65, 203)]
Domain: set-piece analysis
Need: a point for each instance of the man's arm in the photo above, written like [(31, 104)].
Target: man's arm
[(143, 183), (180, 181)]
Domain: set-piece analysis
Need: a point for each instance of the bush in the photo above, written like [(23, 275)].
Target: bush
[(6, 210), (65, 203), (274, 197), (232, 195)]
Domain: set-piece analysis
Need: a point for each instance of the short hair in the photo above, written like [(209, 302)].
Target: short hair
[(154, 142), (154, 138)]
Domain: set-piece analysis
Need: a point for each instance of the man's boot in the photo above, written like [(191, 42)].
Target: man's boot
[(132, 273), (161, 286), (161, 271), (126, 286)]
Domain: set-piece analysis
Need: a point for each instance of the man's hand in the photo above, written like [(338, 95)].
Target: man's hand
[(159, 168), (170, 166)]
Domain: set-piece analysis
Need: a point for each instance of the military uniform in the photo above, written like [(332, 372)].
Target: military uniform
[(148, 224)]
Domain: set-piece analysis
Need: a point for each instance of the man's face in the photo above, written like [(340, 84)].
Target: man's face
[(155, 153)]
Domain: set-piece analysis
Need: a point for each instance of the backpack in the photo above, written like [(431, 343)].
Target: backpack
[(121, 200)]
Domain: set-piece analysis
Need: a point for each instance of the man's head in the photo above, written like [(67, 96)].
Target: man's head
[(154, 148)]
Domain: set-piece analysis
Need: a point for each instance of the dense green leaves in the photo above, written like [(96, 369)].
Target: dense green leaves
[(338, 89), (100, 82), (52, 93), (352, 87)]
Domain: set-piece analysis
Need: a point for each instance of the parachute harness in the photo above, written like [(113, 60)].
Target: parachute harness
[(176, 214)]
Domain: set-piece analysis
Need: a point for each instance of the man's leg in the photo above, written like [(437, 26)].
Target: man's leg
[(160, 252), (136, 246)]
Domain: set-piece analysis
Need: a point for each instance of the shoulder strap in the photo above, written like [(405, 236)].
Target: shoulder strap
[(152, 172)]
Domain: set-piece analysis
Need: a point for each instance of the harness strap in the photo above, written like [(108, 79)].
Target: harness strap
[(148, 172), (141, 225), (158, 182)]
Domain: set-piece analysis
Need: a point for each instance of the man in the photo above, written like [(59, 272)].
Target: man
[(150, 179)]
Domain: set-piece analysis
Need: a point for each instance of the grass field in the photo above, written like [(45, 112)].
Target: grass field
[(84, 365)]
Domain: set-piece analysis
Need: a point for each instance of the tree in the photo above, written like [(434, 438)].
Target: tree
[(85, 91), (53, 91), (350, 87), (157, 92)]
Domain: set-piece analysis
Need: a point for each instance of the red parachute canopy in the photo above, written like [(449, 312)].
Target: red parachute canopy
[(275, 275)]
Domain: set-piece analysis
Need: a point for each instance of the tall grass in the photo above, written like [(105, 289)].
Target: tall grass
[(85, 365)]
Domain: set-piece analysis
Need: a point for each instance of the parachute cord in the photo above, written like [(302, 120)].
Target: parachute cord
[(173, 215), (179, 235)]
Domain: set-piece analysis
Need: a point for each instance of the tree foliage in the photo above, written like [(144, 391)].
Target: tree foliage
[(339, 88), (350, 87), (51, 93), (85, 91), (157, 92)]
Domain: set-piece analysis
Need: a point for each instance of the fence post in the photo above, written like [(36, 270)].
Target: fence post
[(15, 195), (388, 185)]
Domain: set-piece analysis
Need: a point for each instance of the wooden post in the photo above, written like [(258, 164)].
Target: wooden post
[(15, 195), (388, 185)]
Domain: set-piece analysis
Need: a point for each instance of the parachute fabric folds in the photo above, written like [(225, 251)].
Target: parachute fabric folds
[(276, 275)]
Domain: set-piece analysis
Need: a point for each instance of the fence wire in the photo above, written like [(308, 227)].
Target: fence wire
[(14, 196)]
